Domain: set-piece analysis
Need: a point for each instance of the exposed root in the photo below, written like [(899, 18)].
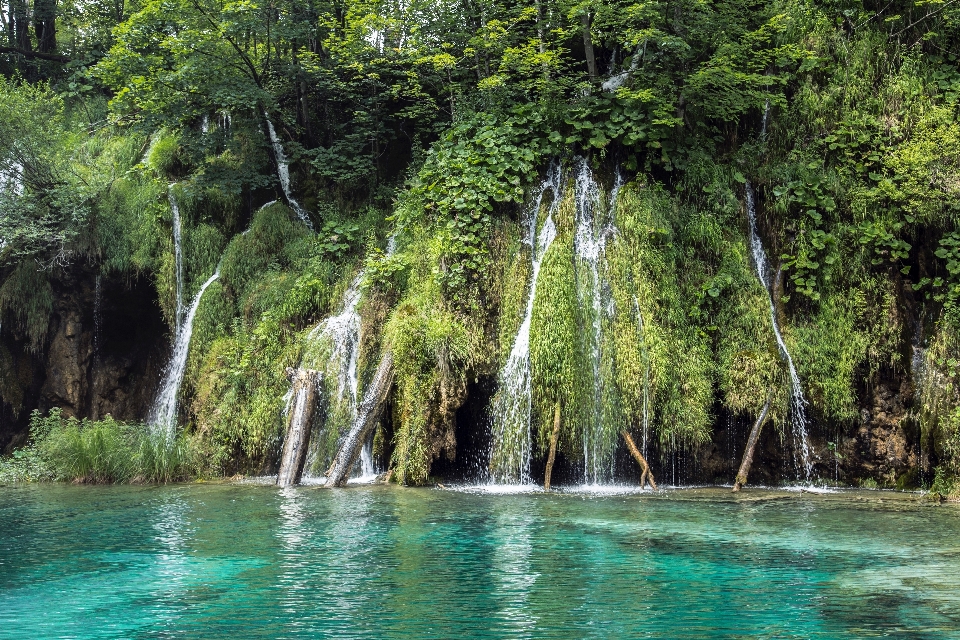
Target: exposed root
[(551, 458), (751, 445), (645, 474)]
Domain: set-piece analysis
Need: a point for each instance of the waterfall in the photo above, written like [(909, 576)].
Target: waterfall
[(163, 414), (592, 231), (510, 458), (766, 118), (367, 470), (341, 335), (283, 172), (797, 402), (177, 255)]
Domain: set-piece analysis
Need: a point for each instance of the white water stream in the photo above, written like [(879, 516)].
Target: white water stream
[(341, 335), (512, 447), (177, 254), (594, 226), (163, 414), (283, 173), (797, 402)]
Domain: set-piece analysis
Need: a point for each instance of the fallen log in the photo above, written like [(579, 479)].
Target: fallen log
[(551, 458), (299, 424), (645, 475), (751, 445), (368, 413), (27, 53)]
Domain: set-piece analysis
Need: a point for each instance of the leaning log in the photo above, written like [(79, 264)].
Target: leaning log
[(645, 474), (368, 414), (751, 445), (552, 456), (299, 424)]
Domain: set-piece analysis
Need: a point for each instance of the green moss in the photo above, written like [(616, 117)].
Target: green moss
[(26, 302), (264, 247), (433, 347), (559, 369), (162, 153), (128, 225)]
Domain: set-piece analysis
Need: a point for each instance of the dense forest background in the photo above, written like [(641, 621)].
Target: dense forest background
[(434, 122)]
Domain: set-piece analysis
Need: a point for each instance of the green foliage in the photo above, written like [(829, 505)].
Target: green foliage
[(23, 465), (337, 238), (882, 244), (833, 350), (433, 350), (472, 168), (26, 302), (42, 201), (274, 241), (161, 155), (946, 288), (813, 245), (128, 225), (99, 451), (938, 381), (664, 357), (559, 370)]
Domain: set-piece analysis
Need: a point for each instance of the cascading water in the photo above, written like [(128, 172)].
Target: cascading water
[(163, 415), (177, 254), (797, 402), (510, 458), (339, 335), (594, 226), (367, 470), (283, 173), (342, 334)]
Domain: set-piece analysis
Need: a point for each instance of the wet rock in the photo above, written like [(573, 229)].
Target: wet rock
[(88, 376)]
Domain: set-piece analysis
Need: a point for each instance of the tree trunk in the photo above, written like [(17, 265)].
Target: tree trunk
[(645, 474), (751, 445), (299, 425), (542, 37), (7, 25), (45, 24), (20, 20), (368, 413), (588, 46), (553, 447)]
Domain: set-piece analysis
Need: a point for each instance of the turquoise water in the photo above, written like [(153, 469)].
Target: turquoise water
[(231, 561)]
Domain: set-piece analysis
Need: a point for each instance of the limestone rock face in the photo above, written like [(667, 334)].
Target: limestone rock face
[(68, 357), (92, 364), (886, 443)]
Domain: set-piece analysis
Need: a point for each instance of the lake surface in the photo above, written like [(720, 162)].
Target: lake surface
[(240, 560)]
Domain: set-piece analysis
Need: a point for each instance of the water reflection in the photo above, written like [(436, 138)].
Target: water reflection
[(292, 587), (514, 573), (375, 562), (172, 531)]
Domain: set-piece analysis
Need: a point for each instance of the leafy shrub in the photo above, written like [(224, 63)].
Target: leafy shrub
[(99, 451)]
